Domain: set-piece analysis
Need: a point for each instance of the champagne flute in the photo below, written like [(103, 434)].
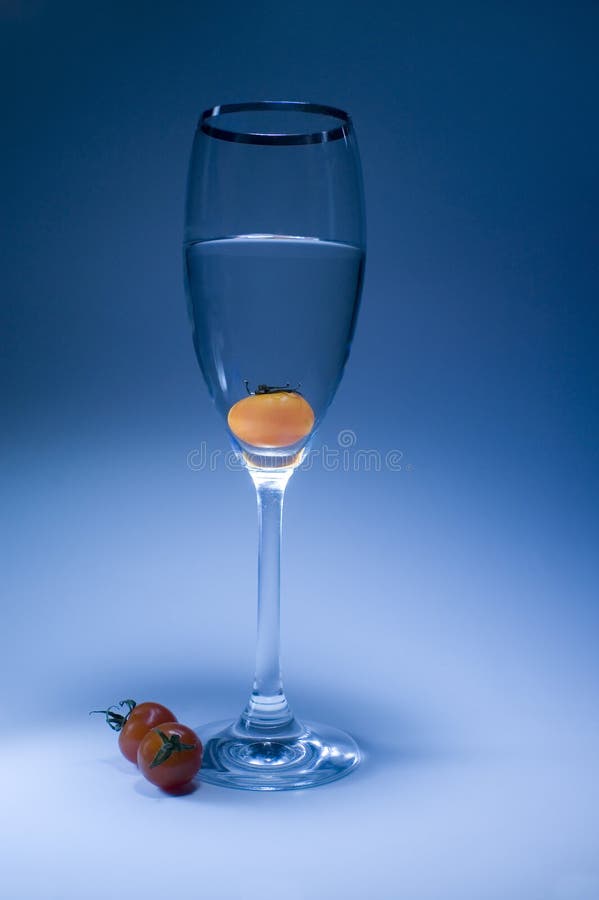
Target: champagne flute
[(274, 261)]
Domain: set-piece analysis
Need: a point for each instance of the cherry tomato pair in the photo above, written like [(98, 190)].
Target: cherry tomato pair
[(167, 753)]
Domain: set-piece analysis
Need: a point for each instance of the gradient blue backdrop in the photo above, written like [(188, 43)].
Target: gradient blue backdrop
[(445, 613)]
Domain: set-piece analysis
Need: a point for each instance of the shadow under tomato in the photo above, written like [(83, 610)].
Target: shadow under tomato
[(147, 789)]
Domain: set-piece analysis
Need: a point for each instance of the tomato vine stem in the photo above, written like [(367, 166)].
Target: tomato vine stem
[(114, 719)]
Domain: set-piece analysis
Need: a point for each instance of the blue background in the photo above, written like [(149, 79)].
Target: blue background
[(445, 613)]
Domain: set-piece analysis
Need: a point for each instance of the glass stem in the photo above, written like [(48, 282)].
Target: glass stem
[(267, 706)]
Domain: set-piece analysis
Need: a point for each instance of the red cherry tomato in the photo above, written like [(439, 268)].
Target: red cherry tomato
[(141, 719), (170, 755), (136, 723)]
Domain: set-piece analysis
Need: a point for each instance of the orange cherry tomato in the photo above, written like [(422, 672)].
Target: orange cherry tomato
[(143, 717), (134, 724), (170, 755), (271, 418)]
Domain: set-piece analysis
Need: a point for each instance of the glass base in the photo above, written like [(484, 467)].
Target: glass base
[(293, 756)]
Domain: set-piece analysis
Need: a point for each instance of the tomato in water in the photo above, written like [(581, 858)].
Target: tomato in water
[(271, 417)]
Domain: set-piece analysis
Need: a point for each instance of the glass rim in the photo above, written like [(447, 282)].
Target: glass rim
[(338, 132)]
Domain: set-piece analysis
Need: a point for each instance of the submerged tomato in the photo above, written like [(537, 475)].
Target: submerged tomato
[(135, 724), (271, 418), (170, 755)]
